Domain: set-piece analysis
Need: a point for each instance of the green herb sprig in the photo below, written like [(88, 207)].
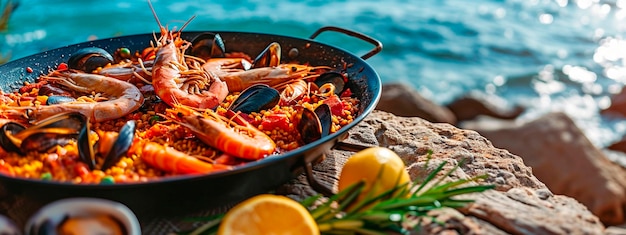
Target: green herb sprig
[(396, 210)]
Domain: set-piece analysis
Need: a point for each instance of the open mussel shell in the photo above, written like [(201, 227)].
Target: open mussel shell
[(56, 130), (338, 80), (56, 215), (121, 145), (89, 58), (207, 45), (8, 141), (316, 124), (8, 227), (255, 98), (269, 57), (85, 149)]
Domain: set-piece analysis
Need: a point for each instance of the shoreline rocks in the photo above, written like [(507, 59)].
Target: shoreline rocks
[(520, 204), (566, 161)]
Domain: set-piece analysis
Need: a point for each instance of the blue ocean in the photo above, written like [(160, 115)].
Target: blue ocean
[(545, 55)]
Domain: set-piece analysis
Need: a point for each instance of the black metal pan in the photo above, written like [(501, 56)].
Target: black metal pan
[(189, 193)]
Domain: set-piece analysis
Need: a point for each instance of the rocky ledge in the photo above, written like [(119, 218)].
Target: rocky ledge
[(520, 204)]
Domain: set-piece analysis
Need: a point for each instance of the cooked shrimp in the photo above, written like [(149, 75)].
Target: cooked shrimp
[(123, 97), (171, 160), (129, 71), (272, 76), (181, 79), (234, 137)]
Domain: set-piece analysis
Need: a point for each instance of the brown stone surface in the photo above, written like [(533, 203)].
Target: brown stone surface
[(566, 161), (521, 204), (405, 101), (475, 104), (618, 105)]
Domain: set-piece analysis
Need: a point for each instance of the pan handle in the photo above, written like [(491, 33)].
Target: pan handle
[(378, 45)]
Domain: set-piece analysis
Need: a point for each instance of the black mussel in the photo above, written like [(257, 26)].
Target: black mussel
[(59, 99), (325, 116), (121, 145), (85, 148), (269, 57), (314, 126), (255, 98), (337, 80), (55, 130), (89, 58), (207, 45), (47, 227), (73, 121), (8, 141)]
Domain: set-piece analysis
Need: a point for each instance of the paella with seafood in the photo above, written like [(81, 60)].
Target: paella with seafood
[(176, 107)]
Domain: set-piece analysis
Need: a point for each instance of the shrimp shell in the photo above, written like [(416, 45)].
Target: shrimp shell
[(171, 160), (123, 97)]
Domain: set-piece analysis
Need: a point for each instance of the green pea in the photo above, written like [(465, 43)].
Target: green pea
[(46, 176), (124, 52), (154, 119), (107, 180)]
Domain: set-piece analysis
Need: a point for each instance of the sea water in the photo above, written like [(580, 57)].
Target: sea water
[(545, 55)]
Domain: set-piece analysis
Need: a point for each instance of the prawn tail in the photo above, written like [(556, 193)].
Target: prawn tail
[(171, 160)]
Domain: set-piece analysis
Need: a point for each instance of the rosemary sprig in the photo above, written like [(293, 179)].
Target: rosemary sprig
[(395, 210)]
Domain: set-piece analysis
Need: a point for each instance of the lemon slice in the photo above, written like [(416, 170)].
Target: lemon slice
[(380, 168), (268, 214)]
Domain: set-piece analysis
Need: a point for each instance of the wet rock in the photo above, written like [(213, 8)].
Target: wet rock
[(475, 104), (403, 100), (565, 160), (520, 204)]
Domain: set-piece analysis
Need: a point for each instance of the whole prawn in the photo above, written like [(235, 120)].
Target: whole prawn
[(235, 137), (181, 79), (171, 160), (276, 76), (123, 97)]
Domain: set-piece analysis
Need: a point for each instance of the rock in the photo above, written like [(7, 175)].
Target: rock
[(618, 105), (520, 204), (403, 100), (566, 161), (618, 146), (475, 104)]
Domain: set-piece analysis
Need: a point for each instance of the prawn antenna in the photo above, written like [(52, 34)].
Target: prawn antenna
[(155, 14), (186, 23)]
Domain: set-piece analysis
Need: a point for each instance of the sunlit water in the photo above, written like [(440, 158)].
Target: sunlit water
[(547, 55)]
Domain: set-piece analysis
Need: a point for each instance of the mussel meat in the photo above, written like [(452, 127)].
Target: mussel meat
[(89, 58), (255, 98), (207, 45), (336, 79), (316, 124), (269, 57)]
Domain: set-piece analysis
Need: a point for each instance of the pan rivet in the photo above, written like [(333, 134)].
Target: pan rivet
[(293, 53)]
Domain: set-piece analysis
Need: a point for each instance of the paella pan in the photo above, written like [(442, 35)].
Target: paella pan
[(229, 176)]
